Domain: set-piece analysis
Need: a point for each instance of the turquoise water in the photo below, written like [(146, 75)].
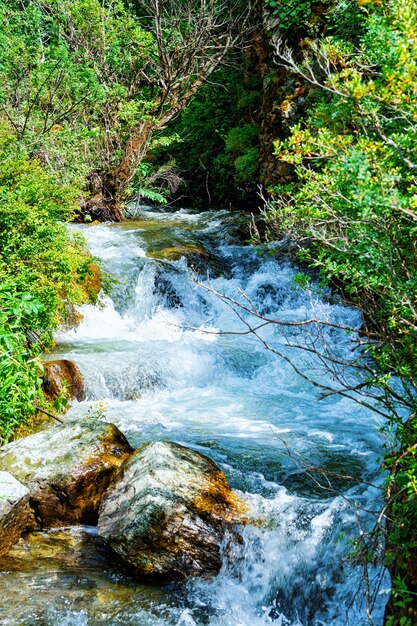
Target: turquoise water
[(155, 364)]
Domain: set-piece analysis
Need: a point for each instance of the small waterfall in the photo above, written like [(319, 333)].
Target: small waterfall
[(152, 357)]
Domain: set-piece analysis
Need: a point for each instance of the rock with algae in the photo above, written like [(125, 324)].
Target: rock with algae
[(58, 373), (67, 468), (16, 516), (192, 252), (168, 512)]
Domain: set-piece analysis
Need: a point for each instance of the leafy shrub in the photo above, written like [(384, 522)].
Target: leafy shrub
[(241, 138), (246, 166), (293, 13), (42, 269), (20, 366), (353, 208)]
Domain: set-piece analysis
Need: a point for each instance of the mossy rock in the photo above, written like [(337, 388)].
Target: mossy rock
[(61, 373), (67, 469), (166, 515), (175, 253)]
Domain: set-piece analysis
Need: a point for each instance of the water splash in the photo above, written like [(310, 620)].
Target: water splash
[(228, 397)]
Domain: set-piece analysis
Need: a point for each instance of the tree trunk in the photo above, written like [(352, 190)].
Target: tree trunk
[(107, 189), (101, 206), (135, 150)]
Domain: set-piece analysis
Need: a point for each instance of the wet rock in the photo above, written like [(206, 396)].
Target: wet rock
[(93, 281), (16, 516), (192, 252), (59, 373), (198, 258), (67, 468), (67, 570), (167, 514), (70, 317)]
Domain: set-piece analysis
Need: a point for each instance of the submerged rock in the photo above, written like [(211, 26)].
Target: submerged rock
[(167, 514), (198, 258), (67, 468), (59, 373), (62, 576), (192, 252), (16, 516)]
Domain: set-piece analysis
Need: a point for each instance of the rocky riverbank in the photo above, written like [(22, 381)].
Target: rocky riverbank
[(162, 510)]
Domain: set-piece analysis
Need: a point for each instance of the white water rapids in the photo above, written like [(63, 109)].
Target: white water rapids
[(228, 397)]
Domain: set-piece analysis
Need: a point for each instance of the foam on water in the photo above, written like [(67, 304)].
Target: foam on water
[(151, 355)]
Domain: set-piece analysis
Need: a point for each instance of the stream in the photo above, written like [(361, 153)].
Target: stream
[(154, 365)]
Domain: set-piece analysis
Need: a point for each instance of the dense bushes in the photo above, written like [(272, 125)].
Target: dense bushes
[(20, 370), (353, 209), (217, 153), (42, 269)]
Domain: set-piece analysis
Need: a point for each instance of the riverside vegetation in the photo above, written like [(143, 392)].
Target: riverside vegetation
[(352, 208), (104, 102)]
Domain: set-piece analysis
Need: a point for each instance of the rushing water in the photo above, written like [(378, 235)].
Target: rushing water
[(235, 401)]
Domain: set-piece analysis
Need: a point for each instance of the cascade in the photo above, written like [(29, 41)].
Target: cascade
[(154, 365)]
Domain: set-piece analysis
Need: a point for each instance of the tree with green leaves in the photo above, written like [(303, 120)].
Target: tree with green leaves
[(100, 79)]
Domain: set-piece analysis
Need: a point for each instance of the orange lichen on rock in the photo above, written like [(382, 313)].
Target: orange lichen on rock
[(218, 501), (168, 513), (60, 374), (67, 468), (94, 280)]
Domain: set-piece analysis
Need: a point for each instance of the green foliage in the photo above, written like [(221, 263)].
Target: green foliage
[(42, 268), (338, 17), (20, 367), (45, 87), (402, 601), (246, 167), (290, 12), (242, 151), (353, 208), (241, 138), (153, 181), (402, 535), (69, 80), (214, 134), (294, 13), (302, 280)]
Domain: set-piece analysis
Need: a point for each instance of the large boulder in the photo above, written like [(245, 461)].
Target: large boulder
[(167, 514), (60, 373), (67, 468), (16, 516)]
